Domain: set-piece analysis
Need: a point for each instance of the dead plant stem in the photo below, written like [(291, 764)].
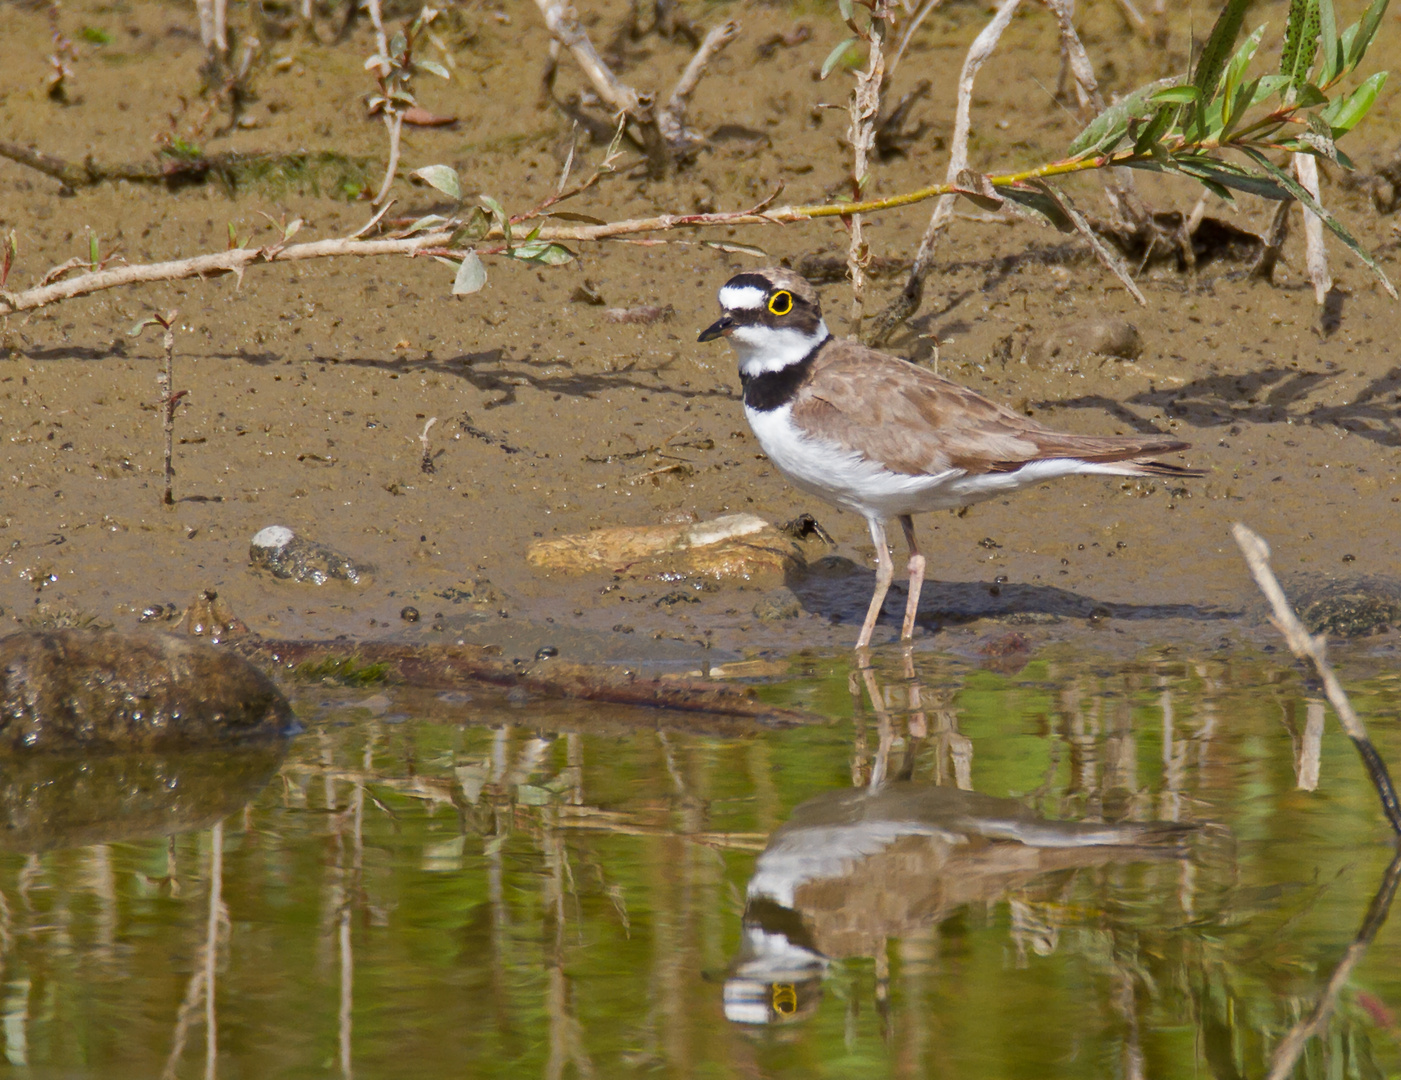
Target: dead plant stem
[(169, 400), (1306, 646), (864, 108)]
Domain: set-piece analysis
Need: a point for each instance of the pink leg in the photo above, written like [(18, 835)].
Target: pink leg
[(916, 569), (885, 570)]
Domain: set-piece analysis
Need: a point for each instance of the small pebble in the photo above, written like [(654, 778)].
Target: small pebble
[(545, 652), (409, 614)]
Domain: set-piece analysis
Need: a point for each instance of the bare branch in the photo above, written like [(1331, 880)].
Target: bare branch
[(914, 24), (671, 119), (394, 123), (1264, 267), (908, 302), (864, 109), (1073, 50), (1306, 169), (616, 94), (1305, 646)]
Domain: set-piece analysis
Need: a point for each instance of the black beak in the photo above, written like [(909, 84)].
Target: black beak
[(719, 328)]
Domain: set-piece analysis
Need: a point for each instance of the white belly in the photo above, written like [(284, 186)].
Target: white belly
[(845, 478)]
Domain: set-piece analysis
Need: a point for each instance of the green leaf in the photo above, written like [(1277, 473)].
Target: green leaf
[(542, 251), (1347, 112), (1367, 29), (1267, 86), (499, 215), (1103, 133), (1310, 97), (442, 177), (847, 10), (1203, 168), (1233, 107), (477, 225), (1330, 46), (92, 250), (1155, 128), (1235, 70), (1300, 42), (433, 68), (397, 44), (95, 35), (1298, 191), (1175, 95), (471, 275), (835, 57), (1318, 139), (1348, 40), (1038, 201), (1116, 265), (428, 221), (1218, 48)]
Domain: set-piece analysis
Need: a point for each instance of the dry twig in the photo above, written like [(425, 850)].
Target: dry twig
[(662, 134), (1306, 169), (864, 109), (671, 120), (907, 303), (1305, 646)]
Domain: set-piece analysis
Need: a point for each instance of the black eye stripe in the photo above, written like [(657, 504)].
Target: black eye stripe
[(781, 302)]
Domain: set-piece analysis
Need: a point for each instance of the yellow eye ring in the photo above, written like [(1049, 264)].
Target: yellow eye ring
[(781, 302)]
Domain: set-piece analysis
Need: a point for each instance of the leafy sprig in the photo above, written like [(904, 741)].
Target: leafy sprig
[(1184, 126)]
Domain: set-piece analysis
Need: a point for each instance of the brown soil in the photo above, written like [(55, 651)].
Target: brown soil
[(309, 384)]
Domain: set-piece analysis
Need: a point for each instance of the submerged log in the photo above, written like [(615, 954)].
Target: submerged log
[(455, 667)]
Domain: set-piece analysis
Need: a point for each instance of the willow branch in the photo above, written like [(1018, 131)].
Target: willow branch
[(237, 260)]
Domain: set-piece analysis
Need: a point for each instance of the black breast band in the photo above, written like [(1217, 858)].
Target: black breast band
[(773, 389)]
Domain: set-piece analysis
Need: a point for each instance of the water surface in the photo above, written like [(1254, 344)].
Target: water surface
[(462, 884)]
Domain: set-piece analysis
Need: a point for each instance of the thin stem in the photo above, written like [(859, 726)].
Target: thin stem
[(1304, 645), (170, 399), (394, 122)]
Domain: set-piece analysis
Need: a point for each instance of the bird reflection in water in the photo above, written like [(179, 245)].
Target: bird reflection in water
[(894, 856)]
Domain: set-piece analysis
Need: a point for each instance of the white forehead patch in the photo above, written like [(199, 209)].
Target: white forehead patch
[(748, 297)]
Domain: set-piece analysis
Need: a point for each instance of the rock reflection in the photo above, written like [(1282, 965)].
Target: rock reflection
[(50, 801)]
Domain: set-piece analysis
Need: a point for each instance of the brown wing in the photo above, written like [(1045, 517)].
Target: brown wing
[(914, 422)]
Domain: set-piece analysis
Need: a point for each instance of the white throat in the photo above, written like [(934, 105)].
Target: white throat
[(763, 349)]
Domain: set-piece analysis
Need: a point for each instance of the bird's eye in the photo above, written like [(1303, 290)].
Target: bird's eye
[(781, 302)]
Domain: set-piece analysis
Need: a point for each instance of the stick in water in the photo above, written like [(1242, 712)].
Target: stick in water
[(1302, 644)]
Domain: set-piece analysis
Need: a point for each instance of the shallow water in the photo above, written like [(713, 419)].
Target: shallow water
[(470, 885)]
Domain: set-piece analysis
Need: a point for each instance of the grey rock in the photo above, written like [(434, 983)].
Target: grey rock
[(285, 555), (62, 690), (777, 607), (1350, 609)]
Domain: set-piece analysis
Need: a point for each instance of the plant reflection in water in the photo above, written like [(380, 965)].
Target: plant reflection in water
[(437, 883)]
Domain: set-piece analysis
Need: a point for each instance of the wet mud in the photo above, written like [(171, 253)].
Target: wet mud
[(310, 386)]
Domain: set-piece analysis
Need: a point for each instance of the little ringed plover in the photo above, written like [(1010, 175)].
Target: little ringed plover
[(878, 435)]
